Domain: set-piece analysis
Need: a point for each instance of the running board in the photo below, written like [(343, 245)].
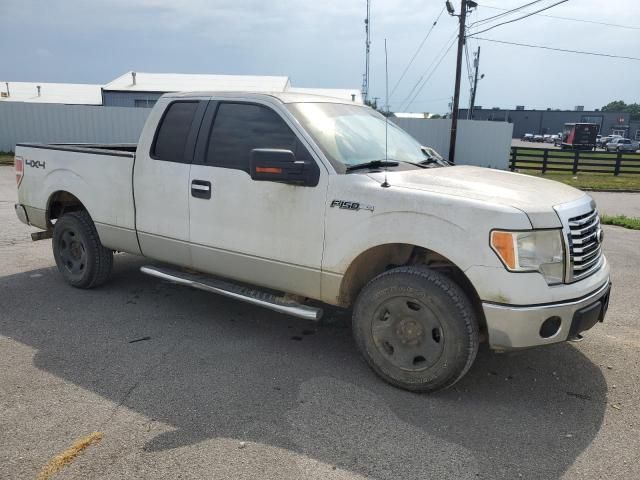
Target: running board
[(244, 294)]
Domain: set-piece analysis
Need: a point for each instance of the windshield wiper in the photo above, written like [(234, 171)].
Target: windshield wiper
[(372, 164), (436, 161)]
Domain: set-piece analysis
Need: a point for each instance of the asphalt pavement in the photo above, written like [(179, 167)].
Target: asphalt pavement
[(186, 384), (618, 203)]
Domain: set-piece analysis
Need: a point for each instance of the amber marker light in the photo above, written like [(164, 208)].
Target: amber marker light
[(268, 170), (504, 245)]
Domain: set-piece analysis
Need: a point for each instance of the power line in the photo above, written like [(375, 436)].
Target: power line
[(431, 74), (505, 13), (429, 100), (519, 18), (417, 51), (630, 27), (406, 99), (581, 52), (466, 56)]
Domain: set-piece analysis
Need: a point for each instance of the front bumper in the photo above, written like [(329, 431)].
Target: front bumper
[(511, 327)]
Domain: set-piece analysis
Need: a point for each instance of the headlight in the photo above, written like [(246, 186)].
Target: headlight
[(531, 251)]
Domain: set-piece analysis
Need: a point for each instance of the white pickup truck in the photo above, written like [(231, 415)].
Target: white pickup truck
[(289, 201)]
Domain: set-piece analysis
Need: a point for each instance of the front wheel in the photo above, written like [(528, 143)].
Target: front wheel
[(416, 329), (79, 255)]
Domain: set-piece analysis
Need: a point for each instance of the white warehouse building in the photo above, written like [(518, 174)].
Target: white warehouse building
[(42, 92), (115, 112), (139, 89)]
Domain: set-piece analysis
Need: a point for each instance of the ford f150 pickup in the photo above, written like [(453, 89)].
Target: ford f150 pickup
[(289, 201)]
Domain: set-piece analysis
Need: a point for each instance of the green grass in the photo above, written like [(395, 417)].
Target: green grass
[(6, 158), (593, 181), (621, 221)]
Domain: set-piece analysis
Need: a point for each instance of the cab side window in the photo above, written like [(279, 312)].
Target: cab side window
[(238, 128), (173, 132)]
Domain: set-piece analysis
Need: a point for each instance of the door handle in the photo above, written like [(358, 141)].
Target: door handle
[(201, 189)]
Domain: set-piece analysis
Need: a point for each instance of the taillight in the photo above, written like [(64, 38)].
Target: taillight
[(19, 166)]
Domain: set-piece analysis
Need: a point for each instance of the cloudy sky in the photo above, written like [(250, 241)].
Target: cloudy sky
[(321, 44)]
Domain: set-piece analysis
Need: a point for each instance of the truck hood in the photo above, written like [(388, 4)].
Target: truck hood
[(534, 196)]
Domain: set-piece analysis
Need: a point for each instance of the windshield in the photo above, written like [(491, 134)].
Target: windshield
[(353, 134)]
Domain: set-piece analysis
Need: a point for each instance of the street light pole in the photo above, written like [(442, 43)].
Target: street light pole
[(456, 93), (475, 84)]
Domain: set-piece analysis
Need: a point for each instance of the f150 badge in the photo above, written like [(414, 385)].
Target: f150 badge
[(351, 205), (34, 163)]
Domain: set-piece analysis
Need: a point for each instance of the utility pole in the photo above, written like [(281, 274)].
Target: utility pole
[(464, 4), (475, 83), (365, 77)]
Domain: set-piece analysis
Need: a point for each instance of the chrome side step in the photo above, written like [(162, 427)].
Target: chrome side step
[(244, 294)]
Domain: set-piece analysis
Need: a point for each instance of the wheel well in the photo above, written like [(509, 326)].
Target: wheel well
[(60, 203), (379, 259)]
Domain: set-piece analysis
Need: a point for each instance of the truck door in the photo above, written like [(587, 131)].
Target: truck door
[(161, 179), (261, 232)]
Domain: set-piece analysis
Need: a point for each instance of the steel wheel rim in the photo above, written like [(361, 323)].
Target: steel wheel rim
[(72, 252), (407, 333)]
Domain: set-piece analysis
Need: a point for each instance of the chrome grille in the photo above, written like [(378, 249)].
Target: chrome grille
[(584, 245)]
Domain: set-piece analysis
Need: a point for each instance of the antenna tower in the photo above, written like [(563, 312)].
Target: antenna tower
[(365, 76)]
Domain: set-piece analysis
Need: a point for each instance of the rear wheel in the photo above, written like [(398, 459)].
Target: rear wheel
[(416, 329), (79, 255)]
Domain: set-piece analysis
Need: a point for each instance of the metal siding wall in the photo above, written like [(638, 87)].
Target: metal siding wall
[(486, 144), (127, 99), (46, 123)]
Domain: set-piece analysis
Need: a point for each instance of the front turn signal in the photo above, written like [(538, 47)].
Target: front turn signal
[(503, 243)]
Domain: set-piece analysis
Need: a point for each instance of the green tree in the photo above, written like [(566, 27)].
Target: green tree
[(436, 115), (371, 103), (620, 106), (374, 104)]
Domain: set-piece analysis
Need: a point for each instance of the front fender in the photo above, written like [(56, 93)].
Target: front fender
[(462, 236)]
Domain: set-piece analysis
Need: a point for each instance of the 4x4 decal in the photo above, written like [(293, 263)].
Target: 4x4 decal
[(35, 163)]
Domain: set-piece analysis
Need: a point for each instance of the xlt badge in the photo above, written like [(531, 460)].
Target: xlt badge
[(351, 205)]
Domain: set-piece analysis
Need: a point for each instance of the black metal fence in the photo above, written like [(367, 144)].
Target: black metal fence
[(552, 160)]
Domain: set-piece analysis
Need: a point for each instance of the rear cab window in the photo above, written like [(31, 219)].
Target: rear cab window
[(173, 133)]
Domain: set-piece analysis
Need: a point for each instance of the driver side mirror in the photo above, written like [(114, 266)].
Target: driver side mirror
[(277, 165)]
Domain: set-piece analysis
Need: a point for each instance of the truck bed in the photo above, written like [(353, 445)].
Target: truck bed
[(99, 175), (97, 148)]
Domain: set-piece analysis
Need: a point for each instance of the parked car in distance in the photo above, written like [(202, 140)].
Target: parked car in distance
[(558, 140), (547, 138), (538, 138), (606, 139), (621, 145), (528, 137), (553, 139), (277, 199)]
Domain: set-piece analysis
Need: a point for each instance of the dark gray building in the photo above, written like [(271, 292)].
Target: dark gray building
[(551, 121)]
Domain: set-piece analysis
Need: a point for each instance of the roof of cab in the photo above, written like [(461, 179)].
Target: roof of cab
[(284, 97)]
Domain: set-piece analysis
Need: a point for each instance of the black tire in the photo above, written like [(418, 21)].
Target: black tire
[(416, 329), (79, 255)]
